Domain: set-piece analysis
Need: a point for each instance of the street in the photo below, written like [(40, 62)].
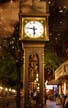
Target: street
[(52, 104), (10, 102)]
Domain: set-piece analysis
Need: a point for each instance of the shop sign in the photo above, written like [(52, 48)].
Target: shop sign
[(61, 70), (58, 72), (66, 68)]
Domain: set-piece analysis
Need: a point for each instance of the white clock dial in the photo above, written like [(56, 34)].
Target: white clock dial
[(34, 29)]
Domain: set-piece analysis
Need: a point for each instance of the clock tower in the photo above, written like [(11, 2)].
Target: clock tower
[(33, 34)]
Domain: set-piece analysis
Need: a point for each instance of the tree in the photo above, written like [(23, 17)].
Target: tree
[(7, 70), (12, 56), (51, 60)]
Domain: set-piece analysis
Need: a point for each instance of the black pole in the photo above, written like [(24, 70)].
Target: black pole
[(18, 98)]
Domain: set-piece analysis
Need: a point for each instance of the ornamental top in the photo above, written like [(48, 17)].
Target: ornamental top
[(33, 7)]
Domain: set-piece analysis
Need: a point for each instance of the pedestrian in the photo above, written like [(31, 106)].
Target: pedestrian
[(7, 104), (3, 105), (45, 98), (63, 97), (66, 103)]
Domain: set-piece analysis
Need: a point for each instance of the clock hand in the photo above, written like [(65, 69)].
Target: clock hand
[(28, 28), (33, 28)]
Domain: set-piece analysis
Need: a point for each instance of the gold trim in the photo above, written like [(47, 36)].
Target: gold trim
[(45, 24)]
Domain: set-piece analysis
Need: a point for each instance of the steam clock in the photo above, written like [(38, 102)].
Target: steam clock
[(33, 34)]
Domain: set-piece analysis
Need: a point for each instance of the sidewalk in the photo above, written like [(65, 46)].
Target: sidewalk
[(52, 104)]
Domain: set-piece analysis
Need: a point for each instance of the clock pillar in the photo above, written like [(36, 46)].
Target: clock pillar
[(30, 50), (33, 44)]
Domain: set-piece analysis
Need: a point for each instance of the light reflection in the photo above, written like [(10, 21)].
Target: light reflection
[(61, 11), (11, 1), (7, 89)]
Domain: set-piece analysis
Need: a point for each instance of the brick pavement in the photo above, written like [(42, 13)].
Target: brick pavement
[(12, 104), (52, 104)]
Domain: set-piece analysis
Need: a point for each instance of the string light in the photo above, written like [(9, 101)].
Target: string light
[(60, 22), (49, 2), (65, 7), (11, 1), (61, 11)]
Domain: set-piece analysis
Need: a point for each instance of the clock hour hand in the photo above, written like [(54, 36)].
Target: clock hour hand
[(33, 28)]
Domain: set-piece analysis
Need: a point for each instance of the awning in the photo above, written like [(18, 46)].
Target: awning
[(54, 82)]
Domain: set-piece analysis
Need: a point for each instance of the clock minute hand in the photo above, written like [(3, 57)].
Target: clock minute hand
[(33, 28), (29, 28)]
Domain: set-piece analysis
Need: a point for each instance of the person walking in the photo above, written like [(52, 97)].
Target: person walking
[(66, 103)]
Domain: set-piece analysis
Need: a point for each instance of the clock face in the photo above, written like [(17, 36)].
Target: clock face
[(34, 29)]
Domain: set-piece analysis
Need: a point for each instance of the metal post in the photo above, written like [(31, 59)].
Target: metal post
[(18, 98)]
